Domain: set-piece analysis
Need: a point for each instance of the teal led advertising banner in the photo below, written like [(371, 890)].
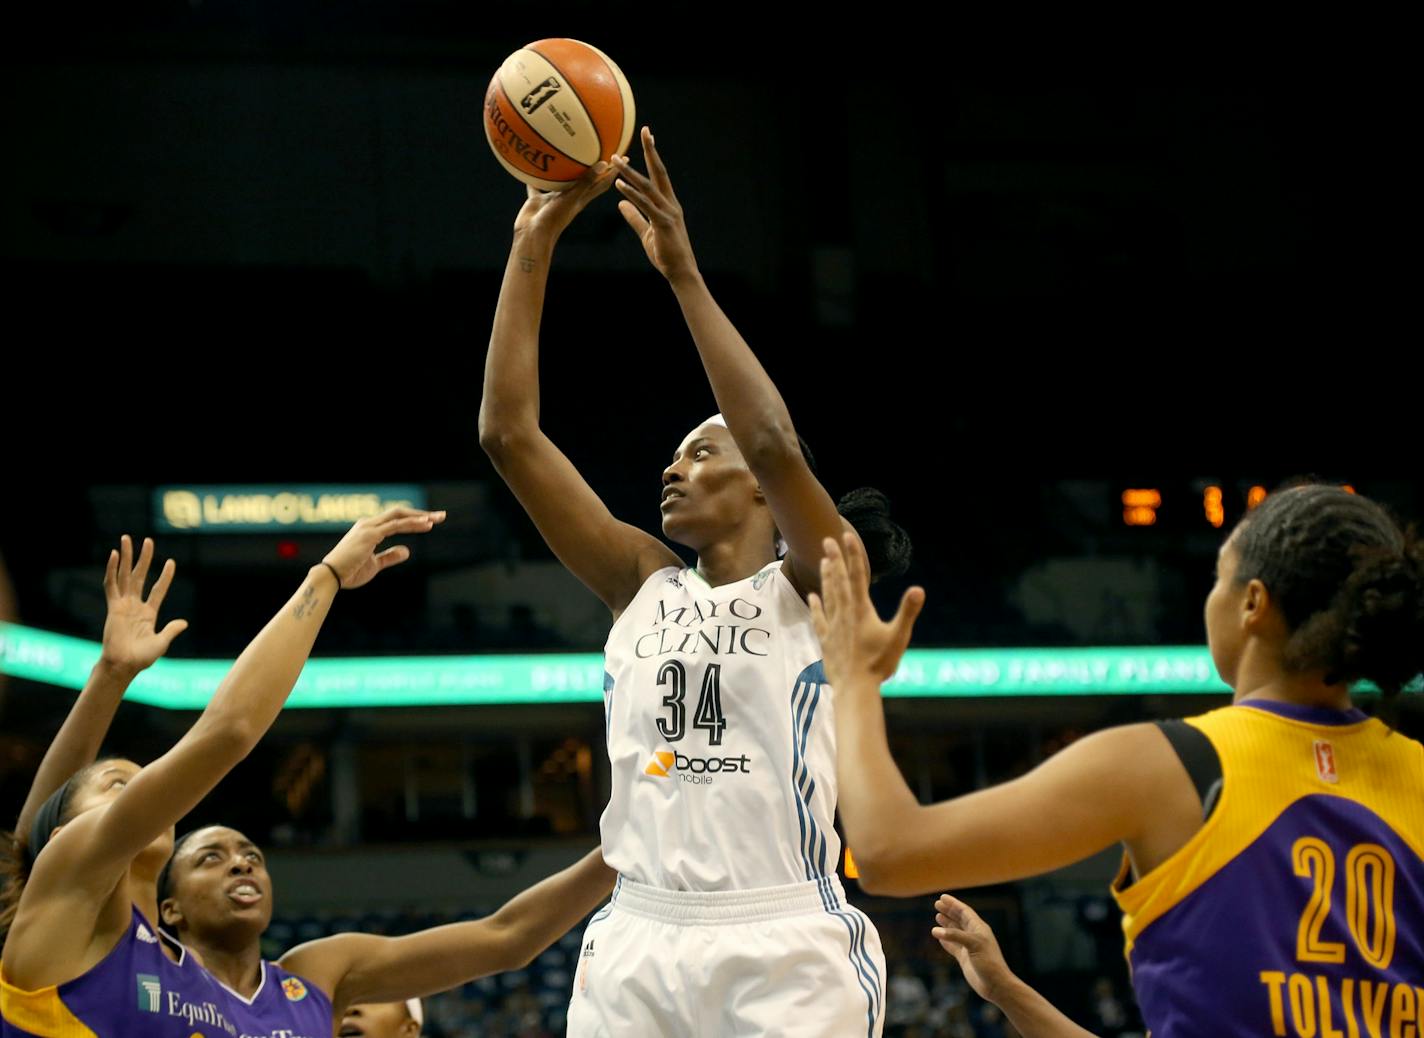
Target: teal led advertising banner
[(578, 677)]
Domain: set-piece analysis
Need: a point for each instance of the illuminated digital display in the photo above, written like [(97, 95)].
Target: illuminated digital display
[(1213, 507), (578, 677), (268, 509), (537, 678), (1139, 507), (1173, 507)]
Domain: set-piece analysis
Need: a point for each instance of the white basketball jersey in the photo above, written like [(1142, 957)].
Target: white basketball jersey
[(721, 736)]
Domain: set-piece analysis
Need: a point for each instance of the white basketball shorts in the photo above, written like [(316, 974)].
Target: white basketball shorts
[(794, 961)]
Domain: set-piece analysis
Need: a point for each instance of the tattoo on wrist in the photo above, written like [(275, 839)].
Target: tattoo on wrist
[(526, 264), (307, 604)]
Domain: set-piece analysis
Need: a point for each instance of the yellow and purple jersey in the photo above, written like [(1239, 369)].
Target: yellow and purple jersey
[(138, 991), (1298, 908)]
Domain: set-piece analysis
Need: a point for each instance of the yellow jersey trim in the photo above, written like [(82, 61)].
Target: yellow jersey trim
[(40, 1012)]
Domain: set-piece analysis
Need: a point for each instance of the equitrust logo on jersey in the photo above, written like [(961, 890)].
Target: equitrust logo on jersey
[(150, 991), (695, 771)]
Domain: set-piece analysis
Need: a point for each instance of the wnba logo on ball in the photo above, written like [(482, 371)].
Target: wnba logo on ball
[(554, 109), (533, 100)]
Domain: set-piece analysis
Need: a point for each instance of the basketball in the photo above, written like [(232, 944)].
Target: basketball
[(555, 108)]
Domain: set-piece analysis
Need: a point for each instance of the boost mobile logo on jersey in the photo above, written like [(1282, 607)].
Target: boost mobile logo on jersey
[(697, 771), (149, 992)]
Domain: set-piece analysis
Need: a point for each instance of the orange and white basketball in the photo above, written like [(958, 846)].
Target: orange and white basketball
[(556, 107)]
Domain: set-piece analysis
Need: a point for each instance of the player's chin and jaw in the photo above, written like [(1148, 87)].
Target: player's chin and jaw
[(241, 922), (680, 521), (712, 506)]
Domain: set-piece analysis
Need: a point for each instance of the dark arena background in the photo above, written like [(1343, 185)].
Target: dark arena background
[(1074, 323)]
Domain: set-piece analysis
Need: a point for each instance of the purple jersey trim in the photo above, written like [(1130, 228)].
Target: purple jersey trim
[(1323, 715)]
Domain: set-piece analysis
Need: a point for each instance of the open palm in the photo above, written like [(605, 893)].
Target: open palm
[(132, 640), (854, 640)]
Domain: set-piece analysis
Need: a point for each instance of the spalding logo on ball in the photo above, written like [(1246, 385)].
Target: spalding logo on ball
[(554, 108)]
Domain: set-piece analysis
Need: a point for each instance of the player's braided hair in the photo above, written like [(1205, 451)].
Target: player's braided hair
[(1349, 582), (887, 545)]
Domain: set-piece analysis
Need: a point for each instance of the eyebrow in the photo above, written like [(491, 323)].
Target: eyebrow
[(246, 845), (701, 441)]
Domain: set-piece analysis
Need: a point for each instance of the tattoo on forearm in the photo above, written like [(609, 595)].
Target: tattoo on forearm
[(526, 264), (307, 604)]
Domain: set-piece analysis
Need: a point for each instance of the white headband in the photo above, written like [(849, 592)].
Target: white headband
[(412, 1006)]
